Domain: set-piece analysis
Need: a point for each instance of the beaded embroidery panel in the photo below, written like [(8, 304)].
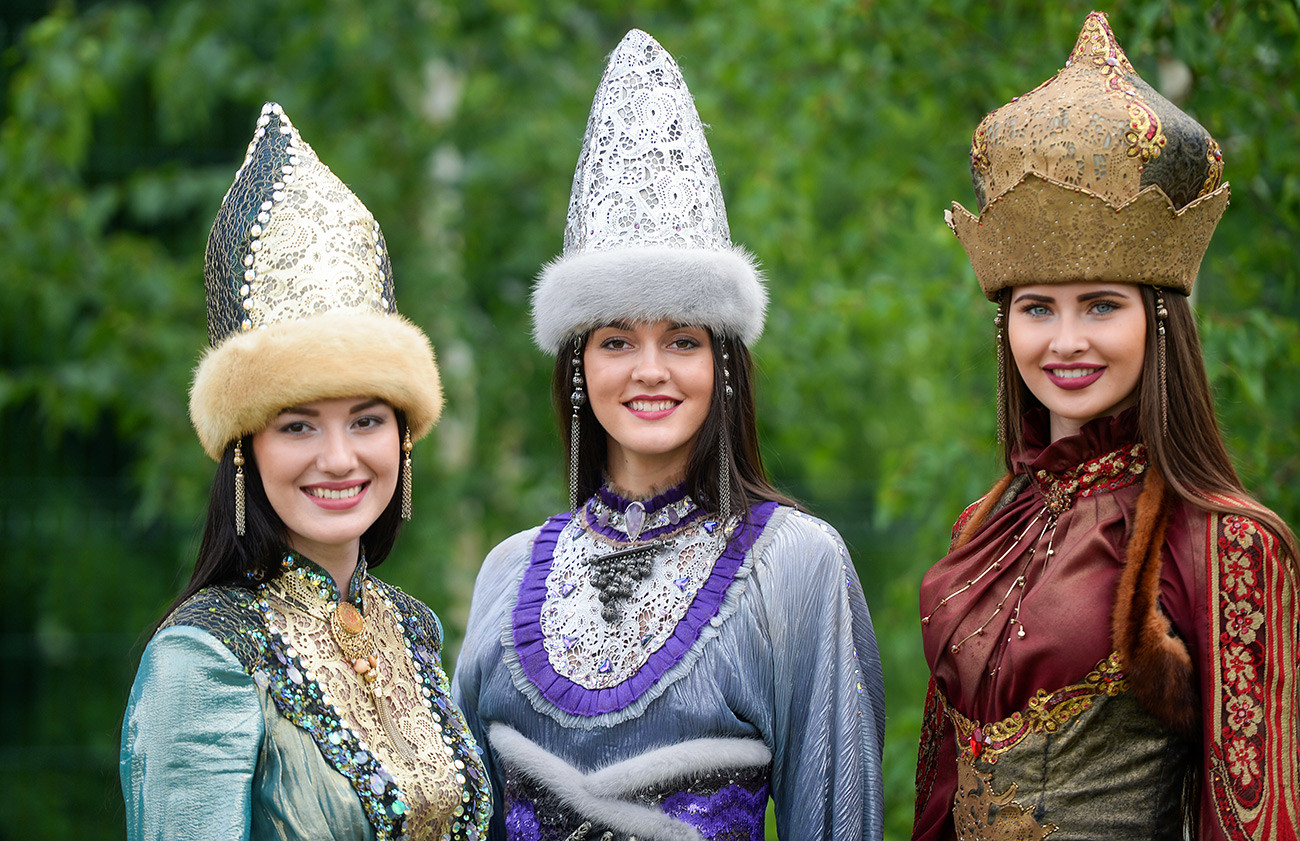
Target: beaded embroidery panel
[(245, 623)]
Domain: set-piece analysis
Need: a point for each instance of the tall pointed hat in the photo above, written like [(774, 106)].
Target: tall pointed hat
[(1091, 176), (647, 236), (300, 299)]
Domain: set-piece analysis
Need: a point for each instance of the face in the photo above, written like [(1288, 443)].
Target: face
[(1079, 348), (650, 386), (329, 468)]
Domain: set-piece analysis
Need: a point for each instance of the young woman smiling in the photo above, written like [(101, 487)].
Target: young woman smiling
[(288, 693), (682, 644), (1112, 638)]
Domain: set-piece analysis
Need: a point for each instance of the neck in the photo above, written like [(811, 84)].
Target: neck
[(340, 561), (637, 476)]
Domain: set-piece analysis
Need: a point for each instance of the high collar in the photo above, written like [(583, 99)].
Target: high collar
[(1096, 438), (615, 516), (296, 563)]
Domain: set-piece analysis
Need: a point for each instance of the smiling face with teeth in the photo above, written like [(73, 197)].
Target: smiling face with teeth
[(1079, 347), (650, 387), (329, 469)]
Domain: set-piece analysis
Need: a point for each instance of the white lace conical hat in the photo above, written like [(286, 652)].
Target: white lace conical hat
[(647, 236)]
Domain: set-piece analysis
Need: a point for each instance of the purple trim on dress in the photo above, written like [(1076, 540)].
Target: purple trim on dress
[(576, 699), (727, 813)]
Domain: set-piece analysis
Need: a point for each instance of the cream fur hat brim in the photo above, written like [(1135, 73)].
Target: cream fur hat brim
[(243, 383)]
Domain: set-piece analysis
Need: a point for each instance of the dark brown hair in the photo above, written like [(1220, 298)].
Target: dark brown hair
[(749, 482), (1191, 457), (226, 558)]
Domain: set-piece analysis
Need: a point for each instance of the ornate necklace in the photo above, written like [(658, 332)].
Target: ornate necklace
[(1114, 470), (350, 628), (615, 574)]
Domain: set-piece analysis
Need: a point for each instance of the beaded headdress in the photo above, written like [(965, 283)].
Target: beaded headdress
[(1091, 176), (647, 236), (300, 299)]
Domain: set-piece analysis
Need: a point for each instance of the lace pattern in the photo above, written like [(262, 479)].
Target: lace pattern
[(597, 654), (645, 175), (429, 787)]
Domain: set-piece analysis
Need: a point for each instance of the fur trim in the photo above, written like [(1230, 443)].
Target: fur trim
[(1156, 662), (241, 384), (986, 506), (599, 794), (723, 290)]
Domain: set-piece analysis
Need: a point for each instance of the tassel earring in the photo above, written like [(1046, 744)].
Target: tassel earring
[(406, 475), (724, 465), (239, 488), (576, 399), (1162, 315), (999, 324)]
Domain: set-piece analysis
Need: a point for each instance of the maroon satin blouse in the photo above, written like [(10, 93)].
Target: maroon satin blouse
[(1061, 630)]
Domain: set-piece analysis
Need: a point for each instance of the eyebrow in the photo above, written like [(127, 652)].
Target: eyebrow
[(312, 413), (1087, 296)]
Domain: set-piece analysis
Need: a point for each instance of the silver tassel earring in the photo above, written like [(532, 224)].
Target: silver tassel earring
[(406, 475), (724, 466), (1162, 315), (576, 399), (239, 488), (999, 323)]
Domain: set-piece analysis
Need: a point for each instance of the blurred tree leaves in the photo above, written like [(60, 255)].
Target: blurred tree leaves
[(841, 130)]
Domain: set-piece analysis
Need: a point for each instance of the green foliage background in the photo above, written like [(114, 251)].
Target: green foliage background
[(841, 130)]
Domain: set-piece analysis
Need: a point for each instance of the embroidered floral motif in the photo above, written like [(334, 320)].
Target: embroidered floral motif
[(927, 760), (1115, 470), (1252, 766)]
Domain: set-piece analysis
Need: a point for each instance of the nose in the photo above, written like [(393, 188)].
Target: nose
[(337, 456), (650, 367), (1070, 339)]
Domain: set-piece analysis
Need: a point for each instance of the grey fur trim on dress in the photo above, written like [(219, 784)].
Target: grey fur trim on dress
[(719, 289), (597, 793)]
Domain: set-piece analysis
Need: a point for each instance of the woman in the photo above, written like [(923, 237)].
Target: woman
[(289, 693), (683, 643), (1113, 636)]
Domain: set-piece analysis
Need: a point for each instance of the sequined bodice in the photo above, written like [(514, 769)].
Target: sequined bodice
[(423, 767)]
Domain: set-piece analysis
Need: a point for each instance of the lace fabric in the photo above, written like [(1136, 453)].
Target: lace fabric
[(597, 654)]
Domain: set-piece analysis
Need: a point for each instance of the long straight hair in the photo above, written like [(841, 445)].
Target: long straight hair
[(737, 414), (229, 559), (1191, 457)]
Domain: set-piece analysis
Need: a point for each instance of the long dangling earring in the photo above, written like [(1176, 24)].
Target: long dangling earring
[(724, 466), (999, 323), (406, 475), (1162, 315), (239, 488), (576, 399)]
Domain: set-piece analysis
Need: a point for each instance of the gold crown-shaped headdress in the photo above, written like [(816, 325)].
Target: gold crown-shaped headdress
[(1091, 176)]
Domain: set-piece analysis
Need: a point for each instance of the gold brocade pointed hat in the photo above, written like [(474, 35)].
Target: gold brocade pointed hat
[(300, 299), (1091, 176)]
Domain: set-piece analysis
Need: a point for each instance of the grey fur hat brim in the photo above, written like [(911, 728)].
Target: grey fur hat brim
[(720, 289)]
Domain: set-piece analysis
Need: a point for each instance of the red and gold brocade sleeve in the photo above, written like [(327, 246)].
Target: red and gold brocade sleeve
[(1250, 685), (936, 772)]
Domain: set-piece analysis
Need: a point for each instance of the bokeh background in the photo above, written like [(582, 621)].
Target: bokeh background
[(841, 130)]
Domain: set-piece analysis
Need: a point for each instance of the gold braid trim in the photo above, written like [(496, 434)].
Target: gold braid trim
[(1047, 712)]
